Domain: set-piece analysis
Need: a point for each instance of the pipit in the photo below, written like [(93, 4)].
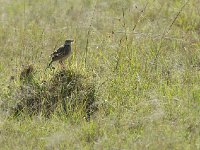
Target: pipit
[(61, 53)]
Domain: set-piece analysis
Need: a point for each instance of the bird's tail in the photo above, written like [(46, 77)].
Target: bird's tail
[(49, 65)]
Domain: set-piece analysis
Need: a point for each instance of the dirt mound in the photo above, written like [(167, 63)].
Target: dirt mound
[(67, 91)]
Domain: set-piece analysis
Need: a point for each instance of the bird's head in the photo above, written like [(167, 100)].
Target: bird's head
[(68, 42)]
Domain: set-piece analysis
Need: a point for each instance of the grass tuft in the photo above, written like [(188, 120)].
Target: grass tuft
[(67, 92)]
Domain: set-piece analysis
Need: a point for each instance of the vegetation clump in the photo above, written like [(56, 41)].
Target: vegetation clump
[(67, 91)]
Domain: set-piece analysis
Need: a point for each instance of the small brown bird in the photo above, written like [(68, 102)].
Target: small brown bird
[(61, 53)]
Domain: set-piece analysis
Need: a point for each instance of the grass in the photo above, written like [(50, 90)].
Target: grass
[(142, 59)]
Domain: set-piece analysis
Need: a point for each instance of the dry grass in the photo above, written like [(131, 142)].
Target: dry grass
[(66, 92), (137, 61)]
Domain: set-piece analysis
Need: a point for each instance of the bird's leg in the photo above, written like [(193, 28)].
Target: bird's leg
[(62, 64)]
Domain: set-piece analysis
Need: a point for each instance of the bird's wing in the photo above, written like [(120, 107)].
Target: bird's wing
[(60, 49), (58, 52)]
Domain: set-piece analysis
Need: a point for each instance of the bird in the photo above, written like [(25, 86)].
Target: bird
[(61, 53)]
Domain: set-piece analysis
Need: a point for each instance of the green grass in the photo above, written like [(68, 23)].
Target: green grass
[(143, 58)]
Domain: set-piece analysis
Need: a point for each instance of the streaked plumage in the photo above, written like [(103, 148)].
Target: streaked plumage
[(61, 53)]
